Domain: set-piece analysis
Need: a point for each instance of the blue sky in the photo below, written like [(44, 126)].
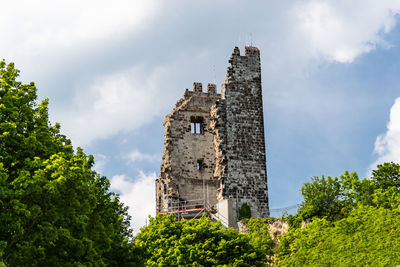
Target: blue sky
[(113, 70)]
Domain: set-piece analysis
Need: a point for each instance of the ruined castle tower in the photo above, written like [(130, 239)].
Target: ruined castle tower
[(214, 149)]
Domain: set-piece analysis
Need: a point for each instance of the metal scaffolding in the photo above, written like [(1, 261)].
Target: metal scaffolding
[(193, 209), (186, 209)]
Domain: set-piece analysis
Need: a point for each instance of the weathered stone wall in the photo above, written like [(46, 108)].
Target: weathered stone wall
[(180, 178), (231, 146), (239, 135)]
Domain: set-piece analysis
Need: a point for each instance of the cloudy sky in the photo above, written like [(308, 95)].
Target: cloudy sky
[(114, 69)]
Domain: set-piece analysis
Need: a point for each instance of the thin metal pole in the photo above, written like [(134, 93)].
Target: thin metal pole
[(204, 192), (237, 206), (178, 209), (207, 195)]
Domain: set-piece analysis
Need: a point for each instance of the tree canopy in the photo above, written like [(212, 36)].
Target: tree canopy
[(369, 236), (353, 222), (55, 210), (165, 242), (334, 198)]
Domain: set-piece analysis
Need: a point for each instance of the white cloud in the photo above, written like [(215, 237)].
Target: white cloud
[(47, 32), (308, 36), (387, 145), (40, 24), (117, 102), (138, 195), (100, 162), (135, 156), (343, 30), (54, 36)]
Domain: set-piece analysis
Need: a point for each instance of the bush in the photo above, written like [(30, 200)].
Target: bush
[(244, 212)]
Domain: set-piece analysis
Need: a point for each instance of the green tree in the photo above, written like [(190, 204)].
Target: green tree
[(258, 232), (357, 225), (323, 197), (54, 209), (165, 242), (334, 198), (244, 212), (387, 175), (369, 236)]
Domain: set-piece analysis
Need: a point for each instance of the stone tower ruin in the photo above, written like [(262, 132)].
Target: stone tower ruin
[(214, 150)]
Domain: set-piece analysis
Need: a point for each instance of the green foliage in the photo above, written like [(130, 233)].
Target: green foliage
[(54, 209), (257, 230), (334, 198), (354, 222), (294, 221), (244, 212), (369, 236), (321, 198), (165, 242), (328, 197), (387, 175)]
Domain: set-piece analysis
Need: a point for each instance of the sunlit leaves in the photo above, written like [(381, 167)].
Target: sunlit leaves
[(369, 236), (196, 243), (353, 222), (54, 209)]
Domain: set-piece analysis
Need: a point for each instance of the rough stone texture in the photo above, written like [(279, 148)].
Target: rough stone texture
[(239, 135), (275, 229), (231, 147), (242, 227), (179, 179), (278, 228)]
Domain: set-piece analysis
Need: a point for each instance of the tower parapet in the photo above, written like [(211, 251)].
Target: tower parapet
[(197, 87), (211, 88)]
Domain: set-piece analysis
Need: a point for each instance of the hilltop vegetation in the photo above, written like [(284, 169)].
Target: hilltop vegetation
[(353, 222), (55, 210), (349, 222), (369, 236), (200, 243)]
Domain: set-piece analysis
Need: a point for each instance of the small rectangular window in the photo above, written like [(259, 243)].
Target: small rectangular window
[(199, 164), (196, 125)]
